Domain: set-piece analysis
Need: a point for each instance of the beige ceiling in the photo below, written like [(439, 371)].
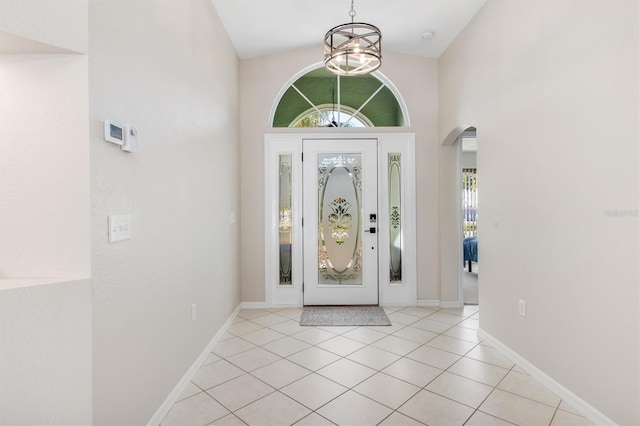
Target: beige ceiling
[(262, 27)]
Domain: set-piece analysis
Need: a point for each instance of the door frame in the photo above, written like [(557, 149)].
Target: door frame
[(389, 294)]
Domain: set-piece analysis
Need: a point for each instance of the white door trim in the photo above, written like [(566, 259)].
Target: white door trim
[(404, 293)]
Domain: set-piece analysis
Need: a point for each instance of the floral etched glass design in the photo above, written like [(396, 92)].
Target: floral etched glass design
[(395, 218), (284, 218), (339, 219)]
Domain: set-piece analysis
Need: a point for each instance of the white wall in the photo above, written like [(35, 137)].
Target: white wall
[(556, 83), (45, 324), (167, 68), (44, 166), (261, 79), (61, 24), (45, 352)]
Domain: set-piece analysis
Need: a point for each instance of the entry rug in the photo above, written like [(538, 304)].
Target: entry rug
[(343, 315)]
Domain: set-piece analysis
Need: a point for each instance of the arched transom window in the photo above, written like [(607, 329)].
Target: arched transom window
[(320, 99)]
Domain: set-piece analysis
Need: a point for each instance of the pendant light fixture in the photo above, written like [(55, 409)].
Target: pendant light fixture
[(353, 48)]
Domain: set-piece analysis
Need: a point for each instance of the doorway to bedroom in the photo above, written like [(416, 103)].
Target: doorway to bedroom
[(469, 203)]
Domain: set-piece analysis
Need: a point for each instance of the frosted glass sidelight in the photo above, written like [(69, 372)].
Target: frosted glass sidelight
[(284, 218), (395, 218), (339, 219)]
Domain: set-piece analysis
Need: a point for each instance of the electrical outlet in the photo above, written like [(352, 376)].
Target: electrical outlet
[(194, 312), (522, 308)]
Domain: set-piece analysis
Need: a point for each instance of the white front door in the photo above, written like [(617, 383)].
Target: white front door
[(340, 186)]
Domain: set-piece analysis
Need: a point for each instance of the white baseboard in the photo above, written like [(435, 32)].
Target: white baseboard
[(453, 305), (428, 303), (253, 305), (439, 304), (587, 410), (182, 384)]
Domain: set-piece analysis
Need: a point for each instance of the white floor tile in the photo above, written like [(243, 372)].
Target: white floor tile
[(490, 355), (387, 390), (362, 374), (517, 409), (288, 327), (402, 318), (212, 375), (341, 345), (479, 371), (286, 346), (451, 344), (199, 409), (252, 313), (365, 335), (418, 311), (232, 346), (354, 410), (262, 336), (482, 419), (313, 358), (374, 358), (189, 390), (291, 313), (412, 371), (564, 418), (528, 387), (417, 335), (281, 373), (270, 319), (313, 391), (346, 372), (240, 391), (244, 327), (463, 333), (314, 419), (431, 325), (337, 330), (396, 345), (313, 335), (253, 359), (229, 420), (434, 357), (274, 409), (460, 389), (446, 318), (397, 419), (433, 409)]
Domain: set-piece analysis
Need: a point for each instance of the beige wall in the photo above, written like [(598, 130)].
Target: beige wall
[(556, 83), (261, 79), (45, 323), (61, 24), (45, 352), (167, 68)]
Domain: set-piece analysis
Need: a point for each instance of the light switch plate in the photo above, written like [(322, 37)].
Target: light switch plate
[(119, 228)]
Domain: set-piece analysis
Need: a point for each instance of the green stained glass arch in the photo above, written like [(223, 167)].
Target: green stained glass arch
[(317, 98)]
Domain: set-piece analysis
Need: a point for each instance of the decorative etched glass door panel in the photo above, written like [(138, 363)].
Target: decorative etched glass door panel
[(339, 219), (340, 208)]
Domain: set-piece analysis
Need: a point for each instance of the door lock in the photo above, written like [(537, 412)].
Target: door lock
[(371, 230)]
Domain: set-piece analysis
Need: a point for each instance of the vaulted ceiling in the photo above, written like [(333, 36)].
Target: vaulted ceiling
[(263, 27)]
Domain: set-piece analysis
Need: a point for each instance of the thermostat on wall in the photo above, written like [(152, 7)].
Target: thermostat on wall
[(114, 132)]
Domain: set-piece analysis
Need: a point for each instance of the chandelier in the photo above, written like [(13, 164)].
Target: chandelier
[(353, 48)]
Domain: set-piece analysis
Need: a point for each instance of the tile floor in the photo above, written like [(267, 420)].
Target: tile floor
[(427, 368)]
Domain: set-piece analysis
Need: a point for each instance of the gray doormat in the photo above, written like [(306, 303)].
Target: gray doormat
[(343, 315)]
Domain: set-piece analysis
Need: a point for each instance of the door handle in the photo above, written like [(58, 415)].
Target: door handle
[(371, 230)]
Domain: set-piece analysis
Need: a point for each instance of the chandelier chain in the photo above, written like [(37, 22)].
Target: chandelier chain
[(352, 12)]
